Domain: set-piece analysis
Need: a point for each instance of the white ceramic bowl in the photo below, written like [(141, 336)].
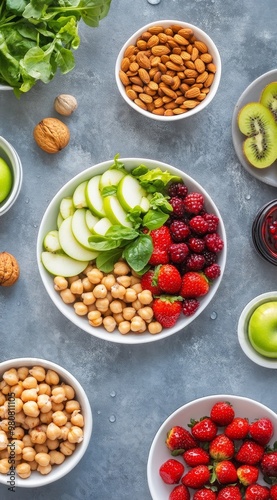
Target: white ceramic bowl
[(244, 407), (58, 471), (245, 344), (202, 36), (49, 222), (5, 87), (8, 153)]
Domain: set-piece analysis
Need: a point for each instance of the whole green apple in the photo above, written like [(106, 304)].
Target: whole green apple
[(262, 329)]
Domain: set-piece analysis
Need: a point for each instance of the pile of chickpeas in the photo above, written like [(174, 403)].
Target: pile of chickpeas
[(41, 422), (115, 300)]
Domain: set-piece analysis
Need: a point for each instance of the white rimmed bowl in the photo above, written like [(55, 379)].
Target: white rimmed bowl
[(58, 471), (9, 154), (202, 36), (5, 87), (243, 338), (49, 222), (158, 454)]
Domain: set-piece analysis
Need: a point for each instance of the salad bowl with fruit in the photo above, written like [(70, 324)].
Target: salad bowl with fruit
[(131, 250)]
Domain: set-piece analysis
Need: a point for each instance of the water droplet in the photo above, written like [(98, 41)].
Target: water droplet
[(248, 197), (27, 200), (213, 315), (18, 303), (98, 412), (153, 2), (112, 394), (35, 225), (112, 418)]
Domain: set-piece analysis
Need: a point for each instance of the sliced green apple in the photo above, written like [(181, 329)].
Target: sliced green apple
[(62, 265), (111, 177), (67, 207), (94, 198), (102, 226), (79, 195), (59, 219), (115, 212), (79, 227), (51, 242), (130, 193), (91, 220), (71, 246)]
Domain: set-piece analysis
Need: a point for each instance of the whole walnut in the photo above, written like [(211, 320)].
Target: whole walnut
[(9, 269), (51, 135)]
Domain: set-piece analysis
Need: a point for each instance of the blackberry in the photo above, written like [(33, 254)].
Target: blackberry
[(190, 306), (212, 272), (194, 203), (179, 230), (196, 245), (199, 225), (178, 207), (178, 252), (195, 262), (210, 257), (178, 189), (212, 221), (213, 242)]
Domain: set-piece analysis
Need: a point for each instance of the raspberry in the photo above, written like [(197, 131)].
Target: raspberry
[(178, 252), (178, 207), (213, 242), (210, 257), (212, 221), (190, 306), (197, 245), (194, 203), (199, 225), (212, 272), (195, 262), (179, 230), (178, 189)]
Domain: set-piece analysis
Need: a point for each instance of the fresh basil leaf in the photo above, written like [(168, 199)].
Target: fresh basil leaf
[(119, 232), (108, 191), (138, 253), (140, 170), (158, 200), (154, 219), (103, 244), (106, 260), (117, 164)]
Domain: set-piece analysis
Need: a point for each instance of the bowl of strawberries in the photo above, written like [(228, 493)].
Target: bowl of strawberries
[(131, 250), (217, 447)]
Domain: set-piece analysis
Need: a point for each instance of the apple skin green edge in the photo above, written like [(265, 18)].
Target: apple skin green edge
[(262, 329)]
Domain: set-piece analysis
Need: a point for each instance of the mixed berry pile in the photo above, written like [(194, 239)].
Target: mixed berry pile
[(221, 457), (184, 260)]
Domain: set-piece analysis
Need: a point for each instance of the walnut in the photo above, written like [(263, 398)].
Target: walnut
[(65, 104), (9, 269), (51, 135)]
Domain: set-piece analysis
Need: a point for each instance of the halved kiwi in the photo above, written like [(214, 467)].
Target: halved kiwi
[(269, 98), (257, 123)]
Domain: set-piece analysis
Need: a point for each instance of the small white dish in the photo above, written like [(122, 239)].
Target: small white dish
[(252, 94), (8, 153), (244, 342)]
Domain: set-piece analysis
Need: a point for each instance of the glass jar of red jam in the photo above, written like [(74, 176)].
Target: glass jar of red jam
[(264, 232)]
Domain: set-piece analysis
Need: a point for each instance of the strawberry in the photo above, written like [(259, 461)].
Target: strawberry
[(269, 466), (248, 474), (204, 429), (179, 440), (238, 429), (273, 492), (171, 471), (149, 282), (161, 239), (204, 494), (169, 279), (250, 453), (196, 456), (257, 492), (167, 310), (229, 493), (222, 413), (221, 448), (261, 430), (196, 477), (225, 472), (194, 284), (180, 492)]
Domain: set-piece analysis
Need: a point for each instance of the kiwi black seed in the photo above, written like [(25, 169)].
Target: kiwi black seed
[(269, 98), (257, 122)]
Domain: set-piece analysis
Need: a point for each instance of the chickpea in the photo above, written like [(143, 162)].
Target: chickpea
[(38, 436), (64, 433), (128, 313), (18, 433), (28, 453), (41, 448), (10, 377), (31, 409), (77, 287), (56, 457), (29, 395), (118, 317), (42, 459), (154, 327), (137, 287), (60, 283), (18, 446), (75, 434), (80, 308), (20, 417), (33, 465), (118, 291), (59, 418), (52, 378), (23, 470), (77, 419), (4, 425), (108, 281), (52, 444), (91, 307), (46, 418), (32, 422), (87, 285), (146, 313), (137, 324), (109, 323), (3, 440), (100, 291), (121, 268), (4, 466), (44, 403), (71, 406), (4, 454), (44, 388), (130, 295), (71, 279), (2, 398), (69, 391), (95, 276), (88, 298), (116, 306), (4, 410), (22, 372), (124, 327), (137, 305), (53, 431), (124, 281), (18, 405), (16, 390), (102, 304), (30, 383), (67, 296), (38, 372), (95, 318), (134, 280), (27, 441), (58, 395), (145, 297), (44, 469), (57, 406), (67, 448)]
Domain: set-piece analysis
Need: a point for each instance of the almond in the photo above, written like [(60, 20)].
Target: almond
[(125, 63), (146, 35), (180, 40), (185, 56), (130, 51), (194, 53), (178, 111), (169, 92), (176, 59), (202, 77), (191, 73), (199, 65), (206, 58), (159, 50), (211, 67), (145, 98), (141, 44), (153, 40), (143, 60), (201, 46), (192, 93), (144, 75), (155, 30), (134, 67), (175, 67), (158, 111), (141, 104), (131, 94), (185, 32), (124, 78), (189, 104), (167, 79), (209, 80)]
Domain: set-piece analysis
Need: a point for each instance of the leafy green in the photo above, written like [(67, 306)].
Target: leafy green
[(138, 252), (38, 37), (154, 180)]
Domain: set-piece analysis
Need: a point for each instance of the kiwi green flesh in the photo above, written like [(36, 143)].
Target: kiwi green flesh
[(269, 98)]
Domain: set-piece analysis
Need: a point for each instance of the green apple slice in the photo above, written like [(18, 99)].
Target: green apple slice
[(79, 195), (59, 220), (66, 207), (62, 265), (94, 198), (79, 227), (102, 226), (51, 242), (71, 246), (130, 192), (111, 177), (115, 212), (262, 329), (91, 220)]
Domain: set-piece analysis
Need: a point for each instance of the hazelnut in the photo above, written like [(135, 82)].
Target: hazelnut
[(9, 269), (51, 135), (65, 104)]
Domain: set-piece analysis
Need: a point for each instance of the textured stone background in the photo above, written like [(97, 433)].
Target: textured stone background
[(140, 385)]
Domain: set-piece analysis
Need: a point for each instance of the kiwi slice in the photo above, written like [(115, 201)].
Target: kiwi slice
[(257, 123), (269, 98)]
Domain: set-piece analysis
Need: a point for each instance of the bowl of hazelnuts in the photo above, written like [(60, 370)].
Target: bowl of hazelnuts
[(45, 422)]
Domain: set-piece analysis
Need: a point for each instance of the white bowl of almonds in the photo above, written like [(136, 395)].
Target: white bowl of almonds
[(168, 70), (45, 422)]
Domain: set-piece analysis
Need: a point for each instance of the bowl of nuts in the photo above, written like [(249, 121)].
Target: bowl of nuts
[(168, 70), (114, 230), (45, 422)]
